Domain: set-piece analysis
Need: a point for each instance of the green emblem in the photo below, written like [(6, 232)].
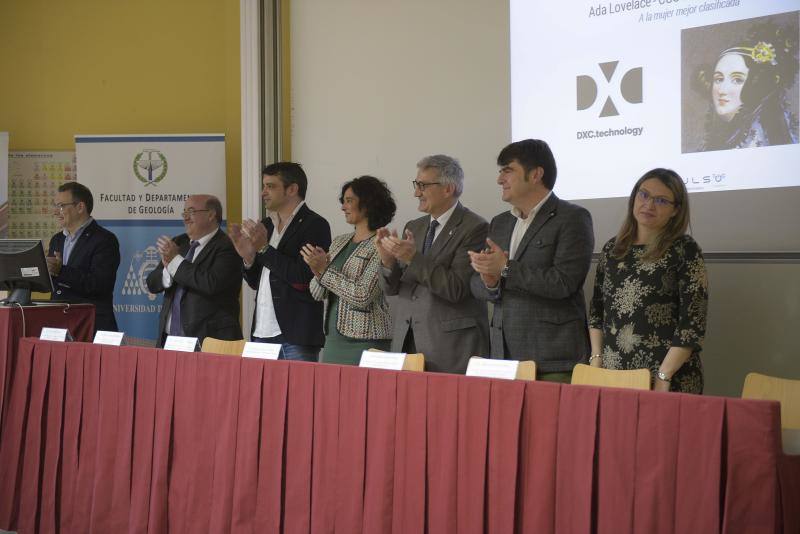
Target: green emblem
[(150, 166)]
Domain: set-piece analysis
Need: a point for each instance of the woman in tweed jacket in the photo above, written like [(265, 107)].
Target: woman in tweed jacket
[(346, 278)]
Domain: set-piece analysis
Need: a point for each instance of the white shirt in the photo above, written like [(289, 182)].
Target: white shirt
[(172, 268), (522, 225), (266, 320)]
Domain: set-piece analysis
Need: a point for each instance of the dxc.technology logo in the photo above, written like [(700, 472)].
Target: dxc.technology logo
[(630, 87)]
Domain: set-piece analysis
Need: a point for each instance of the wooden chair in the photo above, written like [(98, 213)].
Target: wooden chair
[(221, 346), (596, 376), (413, 362), (783, 390)]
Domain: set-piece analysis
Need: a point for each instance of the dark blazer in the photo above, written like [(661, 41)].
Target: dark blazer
[(299, 315), (432, 294), (210, 305), (90, 273), (539, 310)]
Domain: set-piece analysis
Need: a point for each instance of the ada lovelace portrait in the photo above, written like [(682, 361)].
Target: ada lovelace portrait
[(739, 84)]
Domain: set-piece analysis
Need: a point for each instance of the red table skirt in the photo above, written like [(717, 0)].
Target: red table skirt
[(16, 323), (110, 440)]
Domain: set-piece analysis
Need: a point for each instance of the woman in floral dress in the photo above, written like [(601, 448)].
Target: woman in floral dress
[(650, 291)]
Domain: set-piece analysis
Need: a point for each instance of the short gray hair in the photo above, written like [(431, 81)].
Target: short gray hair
[(450, 170)]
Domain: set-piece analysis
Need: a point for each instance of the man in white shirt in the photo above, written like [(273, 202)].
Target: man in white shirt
[(286, 313), (427, 271), (199, 275), (534, 266)]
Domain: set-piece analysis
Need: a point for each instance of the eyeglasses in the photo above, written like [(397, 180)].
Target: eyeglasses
[(60, 205), (422, 185), (190, 212), (661, 202)]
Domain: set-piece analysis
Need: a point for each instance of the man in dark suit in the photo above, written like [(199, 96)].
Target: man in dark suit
[(286, 313), (428, 272), (199, 275), (534, 266), (83, 258)]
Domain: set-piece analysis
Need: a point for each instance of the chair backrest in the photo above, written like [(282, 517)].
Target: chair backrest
[(596, 376), (414, 362), (783, 390), (221, 346)]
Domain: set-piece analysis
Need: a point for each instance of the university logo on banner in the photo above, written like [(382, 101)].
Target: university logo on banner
[(150, 166), (139, 185)]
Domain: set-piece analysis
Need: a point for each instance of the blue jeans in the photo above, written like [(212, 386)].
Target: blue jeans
[(304, 353)]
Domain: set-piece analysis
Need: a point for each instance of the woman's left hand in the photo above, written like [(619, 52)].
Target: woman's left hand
[(316, 258), (660, 385)]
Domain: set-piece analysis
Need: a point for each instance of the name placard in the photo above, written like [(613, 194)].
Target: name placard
[(492, 368), (28, 272), (181, 343), (264, 351), (54, 334), (104, 337), (383, 360)]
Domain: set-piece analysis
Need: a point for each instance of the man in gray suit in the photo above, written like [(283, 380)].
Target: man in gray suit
[(428, 271), (534, 266)]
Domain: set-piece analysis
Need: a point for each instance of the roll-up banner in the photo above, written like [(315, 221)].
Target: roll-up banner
[(139, 184)]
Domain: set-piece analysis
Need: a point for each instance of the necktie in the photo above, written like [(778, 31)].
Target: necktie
[(430, 235), (175, 328)]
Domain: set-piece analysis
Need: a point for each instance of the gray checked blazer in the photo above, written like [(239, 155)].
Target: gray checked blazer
[(539, 308), (363, 311), (432, 294)]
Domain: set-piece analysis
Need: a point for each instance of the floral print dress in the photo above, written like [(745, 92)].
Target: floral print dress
[(646, 307)]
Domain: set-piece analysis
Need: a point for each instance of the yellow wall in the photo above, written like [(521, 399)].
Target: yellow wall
[(121, 67)]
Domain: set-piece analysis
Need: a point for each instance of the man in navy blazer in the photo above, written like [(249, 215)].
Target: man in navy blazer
[(199, 275), (286, 313), (84, 257), (534, 266)]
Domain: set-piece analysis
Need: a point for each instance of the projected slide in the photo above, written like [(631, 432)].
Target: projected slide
[(708, 88)]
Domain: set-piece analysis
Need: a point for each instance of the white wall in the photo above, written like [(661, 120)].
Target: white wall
[(376, 85)]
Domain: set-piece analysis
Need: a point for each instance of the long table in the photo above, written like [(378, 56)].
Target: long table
[(127, 439), (17, 322)]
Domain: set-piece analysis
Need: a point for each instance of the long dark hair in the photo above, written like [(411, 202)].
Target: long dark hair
[(675, 228)]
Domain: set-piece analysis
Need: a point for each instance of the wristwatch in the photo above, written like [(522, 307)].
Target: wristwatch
[(504, 270), (663, 376)]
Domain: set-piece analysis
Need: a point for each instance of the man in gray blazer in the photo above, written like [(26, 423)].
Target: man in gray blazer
[(427, 270), (534, 266)]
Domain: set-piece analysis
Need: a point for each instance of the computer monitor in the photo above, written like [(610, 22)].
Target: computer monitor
[(23, 269)]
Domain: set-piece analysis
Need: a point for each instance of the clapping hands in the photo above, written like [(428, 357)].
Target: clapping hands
[(316, 258), (489, 263), (392, 248), (248, 238)]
